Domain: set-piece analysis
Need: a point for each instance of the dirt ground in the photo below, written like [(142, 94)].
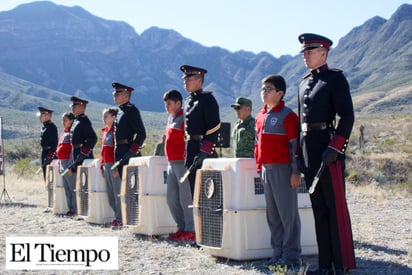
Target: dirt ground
[(381, 221)]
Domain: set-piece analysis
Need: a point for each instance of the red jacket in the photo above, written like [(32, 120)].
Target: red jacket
[(274, 130), (107, 152), (175, 137), (64, 147)]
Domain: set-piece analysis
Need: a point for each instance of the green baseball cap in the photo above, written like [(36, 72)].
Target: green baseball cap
[(241, 101)]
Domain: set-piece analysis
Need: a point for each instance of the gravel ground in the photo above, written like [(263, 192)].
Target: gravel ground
[(382, 228)]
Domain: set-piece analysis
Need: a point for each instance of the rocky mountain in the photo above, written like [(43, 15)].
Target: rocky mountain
[(375, 55), (70, 50), (50, 52)]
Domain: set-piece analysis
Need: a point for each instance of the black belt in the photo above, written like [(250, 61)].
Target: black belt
[(122, 141), (194, 137), (76, 146), (306, 127), (46, 147)]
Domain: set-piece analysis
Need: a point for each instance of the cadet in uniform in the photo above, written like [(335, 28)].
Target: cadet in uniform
[(244, 131), (160, 147), (83, 137), (202, 120), (323, 94), (129, 131), (48, 138)]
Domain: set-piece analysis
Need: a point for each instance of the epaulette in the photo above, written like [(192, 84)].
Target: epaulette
[(207, 92), (335, 70), (307, 75), (129, 104)]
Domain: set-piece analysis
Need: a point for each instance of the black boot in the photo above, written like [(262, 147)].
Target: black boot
[(320, 271), (340, 271)]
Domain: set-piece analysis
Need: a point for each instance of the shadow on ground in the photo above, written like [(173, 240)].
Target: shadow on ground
[(364, 266), (17, 205)]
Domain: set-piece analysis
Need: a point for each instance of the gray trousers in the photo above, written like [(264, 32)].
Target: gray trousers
[(113, 185), (69, 184), (282, 212), (179, 196)]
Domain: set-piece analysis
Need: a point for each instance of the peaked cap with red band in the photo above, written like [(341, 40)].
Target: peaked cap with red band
[(311, 41)]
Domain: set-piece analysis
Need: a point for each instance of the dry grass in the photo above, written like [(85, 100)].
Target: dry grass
[(385, 159), (380, 219)]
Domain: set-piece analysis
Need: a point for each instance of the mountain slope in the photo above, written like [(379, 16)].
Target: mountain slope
[(378, 52), (68, 49)]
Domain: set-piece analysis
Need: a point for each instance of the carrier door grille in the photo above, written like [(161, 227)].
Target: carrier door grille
[(211, 208), (259, 189), (50, 187), (84, 192), (132, 195)]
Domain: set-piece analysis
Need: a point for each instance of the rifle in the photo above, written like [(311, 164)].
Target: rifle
[(127, 156), (117, 163), (68, 168), (188, 171), (316, 179)]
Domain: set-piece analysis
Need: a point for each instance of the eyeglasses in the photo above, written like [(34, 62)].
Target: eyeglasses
[(268, 89)]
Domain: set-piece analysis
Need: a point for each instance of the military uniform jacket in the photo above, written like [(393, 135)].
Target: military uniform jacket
[(244, 138), (129, 130), (323, 94), (202, 119), (84, 138), (48, 140)]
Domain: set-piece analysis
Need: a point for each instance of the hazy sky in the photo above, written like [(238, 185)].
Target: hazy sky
[(253, 25)]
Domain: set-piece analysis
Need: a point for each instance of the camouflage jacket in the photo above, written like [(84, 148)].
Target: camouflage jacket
[(244, 138)]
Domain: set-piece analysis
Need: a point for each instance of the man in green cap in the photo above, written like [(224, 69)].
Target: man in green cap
[(244, 130)]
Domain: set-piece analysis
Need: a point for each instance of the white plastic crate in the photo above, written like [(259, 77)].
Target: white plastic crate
[(57, 195), (152, 174), (92, 200), (143, 197), (230, 221), (242, 190)]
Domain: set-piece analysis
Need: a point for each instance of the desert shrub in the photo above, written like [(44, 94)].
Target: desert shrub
[(352, 176), (388, 144), (23, 168), (20, 149)]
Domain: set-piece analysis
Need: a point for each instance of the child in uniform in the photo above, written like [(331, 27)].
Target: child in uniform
[(113, 183)]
